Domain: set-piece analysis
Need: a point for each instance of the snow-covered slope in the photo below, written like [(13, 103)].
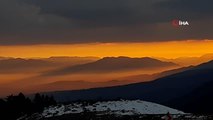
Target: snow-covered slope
[(122, 107)]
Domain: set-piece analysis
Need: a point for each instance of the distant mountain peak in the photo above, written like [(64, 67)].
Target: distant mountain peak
[(125, 57), (110, 64)]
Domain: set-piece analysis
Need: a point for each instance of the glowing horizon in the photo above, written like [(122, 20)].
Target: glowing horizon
[(168, 49)]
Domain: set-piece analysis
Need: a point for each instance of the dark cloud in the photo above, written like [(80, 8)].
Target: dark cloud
[(203, 7), (96, 12), (74, 21), (187, 9)]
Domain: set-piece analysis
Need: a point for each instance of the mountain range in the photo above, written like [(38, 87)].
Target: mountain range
[(186, 61), (170, 90), (22, 65), (73, 73), (115, 64), (76, 85)]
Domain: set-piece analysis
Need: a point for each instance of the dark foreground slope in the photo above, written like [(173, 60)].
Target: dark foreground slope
[(199, 101)]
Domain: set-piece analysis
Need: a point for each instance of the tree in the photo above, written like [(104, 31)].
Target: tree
[(42, 101), (14, 107)]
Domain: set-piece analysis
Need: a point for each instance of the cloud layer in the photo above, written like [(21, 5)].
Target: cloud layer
[(83, 21)]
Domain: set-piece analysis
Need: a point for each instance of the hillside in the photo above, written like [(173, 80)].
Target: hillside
[(161, 90)]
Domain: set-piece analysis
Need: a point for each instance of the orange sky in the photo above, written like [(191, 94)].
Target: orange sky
[(157, 49)]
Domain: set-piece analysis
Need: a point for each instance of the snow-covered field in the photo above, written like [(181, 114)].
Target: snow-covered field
[(122, 107)]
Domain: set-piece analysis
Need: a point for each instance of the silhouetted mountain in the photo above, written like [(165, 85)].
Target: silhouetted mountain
[(75, 85), (66, 60), (60, 85), (186, 61), (112, 64), (162, 90), (21, 65), (149, 77), (198, 101), (204, 66)]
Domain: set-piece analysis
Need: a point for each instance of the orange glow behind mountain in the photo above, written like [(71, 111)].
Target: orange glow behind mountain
[(16, 78), (173, 49)]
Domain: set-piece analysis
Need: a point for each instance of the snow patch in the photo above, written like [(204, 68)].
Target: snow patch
[(122, 107)]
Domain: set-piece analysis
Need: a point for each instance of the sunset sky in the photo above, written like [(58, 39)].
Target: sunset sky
[(93, 29), (135, 28), (172, 49)]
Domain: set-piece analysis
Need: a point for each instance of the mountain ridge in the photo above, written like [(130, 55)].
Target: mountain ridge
[(161, 90), (110, 64)]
